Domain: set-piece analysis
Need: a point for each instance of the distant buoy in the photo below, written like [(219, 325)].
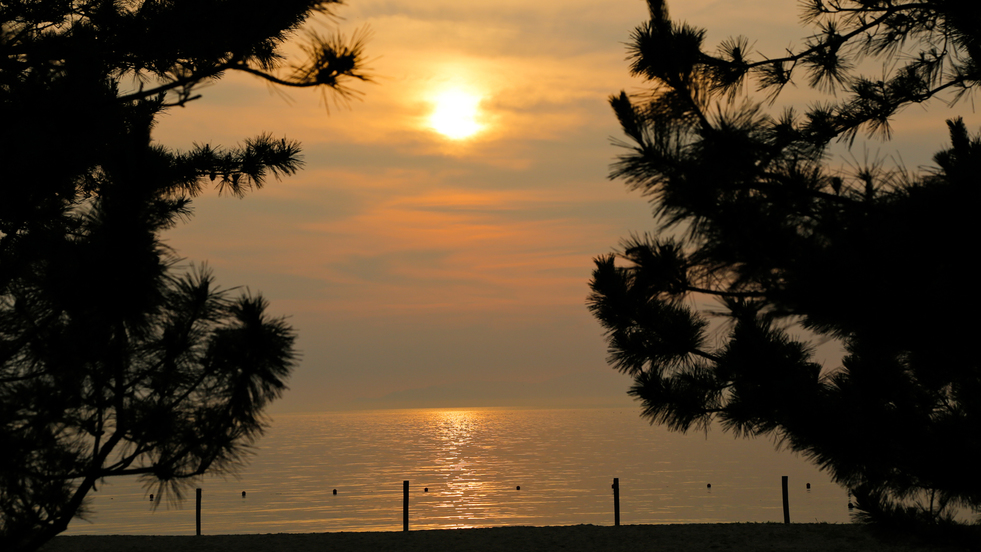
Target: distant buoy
[(151, 497), (426, 490), (518, 488), (243, 494), (709, 486), (808, 485), (335, 491)]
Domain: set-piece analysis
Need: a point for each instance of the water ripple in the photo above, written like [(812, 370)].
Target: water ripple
[(472, 462)]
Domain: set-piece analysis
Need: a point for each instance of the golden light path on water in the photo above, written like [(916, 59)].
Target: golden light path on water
[(454, 432), (472, 462)]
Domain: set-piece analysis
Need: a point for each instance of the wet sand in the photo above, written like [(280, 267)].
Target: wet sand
[(734, 537)]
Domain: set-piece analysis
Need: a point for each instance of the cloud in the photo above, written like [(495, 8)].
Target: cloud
[(407, 260)]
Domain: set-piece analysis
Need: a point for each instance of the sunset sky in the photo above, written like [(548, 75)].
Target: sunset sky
[(426, 270)]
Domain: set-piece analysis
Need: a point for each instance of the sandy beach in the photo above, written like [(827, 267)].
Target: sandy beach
[(735, 537)]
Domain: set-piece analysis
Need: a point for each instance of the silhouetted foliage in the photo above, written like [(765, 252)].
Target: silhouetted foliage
[(753, 221), (112, 362)]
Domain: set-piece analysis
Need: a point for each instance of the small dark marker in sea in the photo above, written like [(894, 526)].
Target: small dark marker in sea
[(709, 486), (518, 488), (151, 498), (335, 491), (243, 494), (808, 485), (426, 490)]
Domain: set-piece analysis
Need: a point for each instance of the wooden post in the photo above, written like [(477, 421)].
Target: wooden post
[(616, 501), (405, 505), (197, 510), (786, 502)]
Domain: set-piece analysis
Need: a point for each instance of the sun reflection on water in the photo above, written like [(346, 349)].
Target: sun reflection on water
[(465, 493), (471, 462)]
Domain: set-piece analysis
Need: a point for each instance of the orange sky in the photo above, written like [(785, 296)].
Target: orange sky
[(408, 260)]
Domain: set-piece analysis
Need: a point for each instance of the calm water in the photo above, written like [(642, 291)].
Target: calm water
[(472, 461)]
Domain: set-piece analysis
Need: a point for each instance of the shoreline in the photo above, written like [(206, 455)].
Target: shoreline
[(728, 537)]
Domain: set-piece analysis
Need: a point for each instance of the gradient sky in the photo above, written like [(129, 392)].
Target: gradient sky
[(422, 271)]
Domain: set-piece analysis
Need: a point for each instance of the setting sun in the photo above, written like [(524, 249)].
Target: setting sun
[(455, 114)]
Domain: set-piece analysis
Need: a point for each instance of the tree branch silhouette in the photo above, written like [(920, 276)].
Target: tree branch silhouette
[(750, 214), (113, 361)]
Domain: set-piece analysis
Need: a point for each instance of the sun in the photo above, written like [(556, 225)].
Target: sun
[(455, 114)]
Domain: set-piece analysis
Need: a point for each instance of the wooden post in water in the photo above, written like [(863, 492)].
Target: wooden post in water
[(197, 510), (405, 505), (786, 501), (616, 501)]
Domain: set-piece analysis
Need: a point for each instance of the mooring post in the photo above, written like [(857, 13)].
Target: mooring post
[(197, 509), (405, 505), (786, 501), (616, 501)]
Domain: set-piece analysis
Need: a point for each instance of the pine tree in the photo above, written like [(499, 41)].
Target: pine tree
[(790, 250), (113, 361)]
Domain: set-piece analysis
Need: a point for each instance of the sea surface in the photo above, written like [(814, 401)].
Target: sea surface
[(465, 468)]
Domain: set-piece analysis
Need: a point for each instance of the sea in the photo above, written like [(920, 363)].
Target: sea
[(345, 471)]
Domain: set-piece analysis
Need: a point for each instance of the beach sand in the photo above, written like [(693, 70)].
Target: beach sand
[(734, 537)]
